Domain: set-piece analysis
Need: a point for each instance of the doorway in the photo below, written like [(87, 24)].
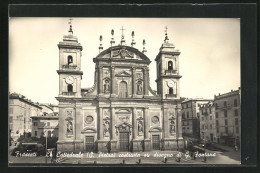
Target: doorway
[(124, 141), (156, 142), (89, 143)]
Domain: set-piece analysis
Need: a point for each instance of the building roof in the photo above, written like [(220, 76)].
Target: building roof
[(24, 99), (195, 99), (229, 94)]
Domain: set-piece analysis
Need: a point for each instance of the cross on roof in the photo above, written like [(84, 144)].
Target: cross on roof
[(166, 29), (70, 19), (122, 30)]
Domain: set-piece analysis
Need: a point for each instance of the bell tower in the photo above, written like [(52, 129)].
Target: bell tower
[(70, 73), (167, 63)]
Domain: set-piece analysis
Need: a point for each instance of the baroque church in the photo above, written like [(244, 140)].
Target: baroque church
[(120, 112)]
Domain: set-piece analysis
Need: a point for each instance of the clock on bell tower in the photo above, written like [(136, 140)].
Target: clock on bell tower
[(70, 73)]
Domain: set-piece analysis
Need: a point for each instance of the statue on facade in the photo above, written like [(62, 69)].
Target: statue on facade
[(140, 127), (106, 128), (106, 86), (139, 87), (69, 127), (172, 126)]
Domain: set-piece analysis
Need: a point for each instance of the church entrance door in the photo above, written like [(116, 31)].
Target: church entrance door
[(156, 142), (124, 141), (89, 143)]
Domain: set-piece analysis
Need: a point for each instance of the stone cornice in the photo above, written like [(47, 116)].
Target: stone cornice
[(166, 53), (122, 60), (70, 72), (70, 46), (168, 77)]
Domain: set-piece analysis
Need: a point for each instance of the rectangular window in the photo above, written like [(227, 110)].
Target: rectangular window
[(188, 115), (216, 114), (217, 130), (225, 113), (236, 121), (183, 115), (35, 133), (216, 122), (226, 129), (187, 105), (183, 128), (206, 118), (187, 122), (236, 113), (210, 117), (48, 123), (202, 118), (203, 126), (35, 123), (210, 126), (210, 110), (11, 127), (226, 122), (237, 129)]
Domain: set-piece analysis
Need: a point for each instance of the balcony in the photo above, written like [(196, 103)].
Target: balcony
[(225, 107), (69, 93), (170, 72), (70, 67)]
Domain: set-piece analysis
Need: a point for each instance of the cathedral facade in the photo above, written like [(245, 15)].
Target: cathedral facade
[(120, 112)]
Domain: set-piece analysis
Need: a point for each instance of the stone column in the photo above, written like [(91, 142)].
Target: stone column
[(147, 123), (113, 129), (147, 140), (112, 73), (101, 136), (165, 122), (134, 123), (133, 81), (113, 123), (146, 82), (100, 79)]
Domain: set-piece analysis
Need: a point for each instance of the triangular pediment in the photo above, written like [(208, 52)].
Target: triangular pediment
[(123, 74)]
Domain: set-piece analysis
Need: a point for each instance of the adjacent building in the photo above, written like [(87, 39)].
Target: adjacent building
[(190, 116), (207, 122), (20, 111), (120, 111), (45, 125), (228, 118)]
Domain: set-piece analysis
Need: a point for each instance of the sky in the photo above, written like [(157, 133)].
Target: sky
[(209, 59)]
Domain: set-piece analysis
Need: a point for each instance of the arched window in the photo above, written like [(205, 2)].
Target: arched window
[(170, 91), (70, 59), (123, 89), (70, 88), (170, 67)]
